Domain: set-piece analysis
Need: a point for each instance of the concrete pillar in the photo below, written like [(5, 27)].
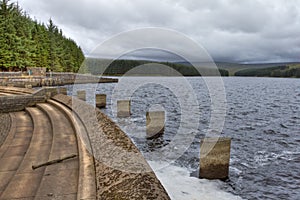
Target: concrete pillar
[(155, 124), (214, 158), (100, 100), (123, 107), (48, 95), (63, 90), (81, 95)]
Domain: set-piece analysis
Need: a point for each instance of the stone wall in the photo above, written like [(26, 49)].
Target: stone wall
[(15, 90), (37, 71), (17, 103), (52, 79), (11, 74)]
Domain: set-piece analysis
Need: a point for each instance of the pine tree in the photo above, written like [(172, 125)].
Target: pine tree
[(27, 43), (8, 35)]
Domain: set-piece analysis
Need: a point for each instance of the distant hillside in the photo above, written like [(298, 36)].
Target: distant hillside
[(292, 70), (120, 67), (232, 68), (27, 43)]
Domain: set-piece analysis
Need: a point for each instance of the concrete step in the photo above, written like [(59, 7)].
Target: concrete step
[(13, 152), (86, 181), (60, 180)]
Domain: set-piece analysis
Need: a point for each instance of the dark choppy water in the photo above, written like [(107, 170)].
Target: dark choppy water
[(263, 120)]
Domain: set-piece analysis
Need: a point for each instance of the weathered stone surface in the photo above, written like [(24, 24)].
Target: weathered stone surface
[(121, 170), (29, 86), (21, 186), (100, 100), (19, 102), (214, 158), (5, 123), (123, 108), (63, 91), (155, 123)]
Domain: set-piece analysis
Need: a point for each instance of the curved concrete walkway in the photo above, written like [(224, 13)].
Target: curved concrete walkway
[(41, 134)]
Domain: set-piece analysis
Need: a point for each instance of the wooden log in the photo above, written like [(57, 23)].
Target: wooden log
[(53, 161)]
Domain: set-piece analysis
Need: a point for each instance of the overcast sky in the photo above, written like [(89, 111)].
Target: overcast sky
[(230, 30)]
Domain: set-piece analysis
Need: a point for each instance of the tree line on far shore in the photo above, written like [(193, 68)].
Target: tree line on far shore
[(120, 67), (277, 71), (144, 68), (25, 42)]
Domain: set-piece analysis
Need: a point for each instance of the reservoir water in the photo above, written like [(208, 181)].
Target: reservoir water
[(262, 118)]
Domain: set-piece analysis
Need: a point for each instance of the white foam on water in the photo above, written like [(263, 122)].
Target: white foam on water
[(180, 186)]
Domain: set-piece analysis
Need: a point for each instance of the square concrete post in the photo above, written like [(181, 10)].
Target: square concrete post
[(100, 100), (81, 95), (155, 124), (123, 108), (214, 158)]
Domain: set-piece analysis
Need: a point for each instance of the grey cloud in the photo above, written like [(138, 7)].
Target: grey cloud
[(231, 30)]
